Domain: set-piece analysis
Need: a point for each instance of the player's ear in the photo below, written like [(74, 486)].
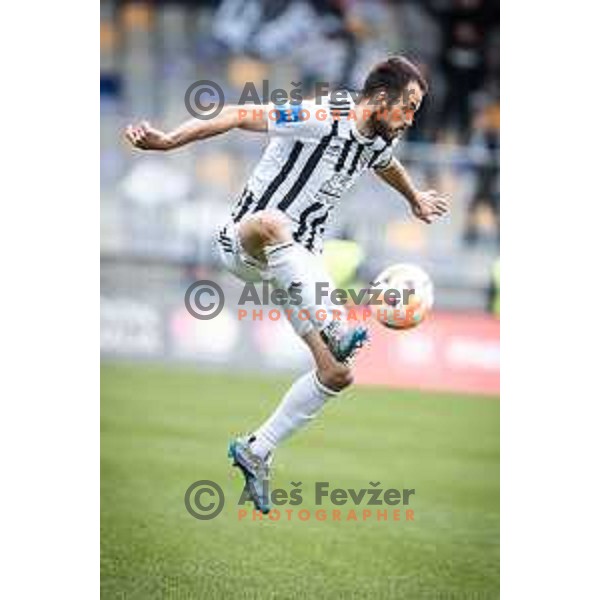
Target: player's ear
[(382, 99)]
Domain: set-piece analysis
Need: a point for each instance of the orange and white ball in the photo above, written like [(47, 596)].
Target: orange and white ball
[(412, 300)]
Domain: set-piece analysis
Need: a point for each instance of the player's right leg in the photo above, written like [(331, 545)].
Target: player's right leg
[(265, 236), (246, 250)]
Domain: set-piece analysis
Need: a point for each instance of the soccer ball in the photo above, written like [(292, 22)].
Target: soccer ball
[(406, 296)]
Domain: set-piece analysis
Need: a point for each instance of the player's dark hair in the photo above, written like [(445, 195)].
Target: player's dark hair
[(392, 76)]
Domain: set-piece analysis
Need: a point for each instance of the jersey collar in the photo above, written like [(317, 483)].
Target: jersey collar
[(377, 142)]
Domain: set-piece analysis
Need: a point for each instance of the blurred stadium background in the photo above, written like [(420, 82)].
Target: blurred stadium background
[(158, 215), (159, 212)]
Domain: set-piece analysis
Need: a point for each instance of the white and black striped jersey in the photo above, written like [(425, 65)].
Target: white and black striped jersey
[(314, 155)]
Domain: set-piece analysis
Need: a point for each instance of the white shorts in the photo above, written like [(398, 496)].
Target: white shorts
[(235, 259), (238, 262)]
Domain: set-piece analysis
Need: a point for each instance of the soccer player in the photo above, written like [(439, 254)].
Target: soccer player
[(316, 152)]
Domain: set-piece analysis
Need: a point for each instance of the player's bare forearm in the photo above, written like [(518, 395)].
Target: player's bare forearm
[(424, 205), (147, 137), (397, 177)]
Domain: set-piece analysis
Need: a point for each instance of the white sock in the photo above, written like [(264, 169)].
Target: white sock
[(299, 406), (290, 263)]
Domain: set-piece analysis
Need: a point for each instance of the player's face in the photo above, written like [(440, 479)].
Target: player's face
[(400, 115)]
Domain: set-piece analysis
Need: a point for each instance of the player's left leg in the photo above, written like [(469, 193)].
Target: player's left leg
[(301, 403), (304, 400)]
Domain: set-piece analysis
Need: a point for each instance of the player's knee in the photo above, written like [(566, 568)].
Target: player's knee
[(273, 227), (261, 229), (336, 378)]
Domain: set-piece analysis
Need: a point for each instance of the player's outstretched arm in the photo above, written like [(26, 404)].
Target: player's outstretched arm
[(424, 205), (147, 137)]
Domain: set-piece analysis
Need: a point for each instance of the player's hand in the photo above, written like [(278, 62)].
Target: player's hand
[(145, 137), (430, 204)]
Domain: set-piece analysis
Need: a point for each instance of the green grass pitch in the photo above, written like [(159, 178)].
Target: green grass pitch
[(164, 428)]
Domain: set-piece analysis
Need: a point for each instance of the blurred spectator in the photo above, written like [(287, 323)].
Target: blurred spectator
[(466, 27), (494, 289), (305, 30), (484, 211)]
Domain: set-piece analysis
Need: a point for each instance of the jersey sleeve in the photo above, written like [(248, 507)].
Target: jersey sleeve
[(306, 120)]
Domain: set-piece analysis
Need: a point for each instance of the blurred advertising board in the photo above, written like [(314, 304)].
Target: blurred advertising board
[(130, 327), (455, 352)]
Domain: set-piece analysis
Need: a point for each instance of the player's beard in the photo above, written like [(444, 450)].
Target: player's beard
[(382, 129)]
